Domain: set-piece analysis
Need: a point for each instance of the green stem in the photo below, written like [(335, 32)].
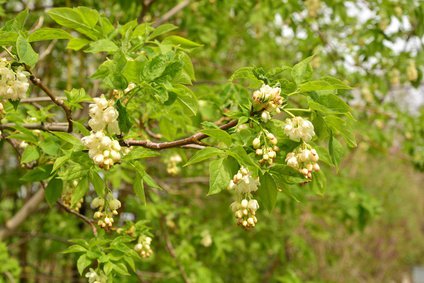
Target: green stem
[(288, 112), (298, 109)]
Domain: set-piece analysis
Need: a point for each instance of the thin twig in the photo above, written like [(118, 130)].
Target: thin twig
[(40, 99), (59, 102), (55, 127), (79, 215)]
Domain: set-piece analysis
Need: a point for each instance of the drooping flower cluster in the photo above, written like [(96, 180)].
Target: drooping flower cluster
[(298, 128), (245, 206), (313, 7), (103, 115), (268, 100), (172, 164), (266, 148), (411, 71), (13, 84), (67, 196), (206, 240), (304, 159), (104, 151), (96, 277), (143, 246), (106, 208), (1, 110)]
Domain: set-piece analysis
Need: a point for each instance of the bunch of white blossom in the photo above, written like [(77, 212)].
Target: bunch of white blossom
[(304, 159), (245, 207), (96, 277), (268, 100), (245, 211), (267, 148), (298, 128), (106, 209), (104, 151), (143, 246), (13, 84), (172, 164), (103, 115)]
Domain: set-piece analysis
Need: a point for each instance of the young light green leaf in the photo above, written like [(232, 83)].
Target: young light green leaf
[(218, 134), (48, 34), (162, 29), (25, 52), (77, 43), (82, 263), (80, 190), (102, 45), (220, 172), (97, 182), (30, 154), (123, 118), (181, 42), (302, 70), (204, 154), (138, 186), (267, 191)]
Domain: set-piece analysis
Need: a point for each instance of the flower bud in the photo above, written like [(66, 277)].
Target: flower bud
[(256, 143)]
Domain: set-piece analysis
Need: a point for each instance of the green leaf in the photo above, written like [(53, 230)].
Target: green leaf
[(53, 190), (123, 118), (204, 154), (138, 186), (285, 175), (75, 97), (75, 249), (328, 104), (68, 138), (97, 182), (218, 134), (30, 154), (25, 52), (72, 18), (90, 16), (323, 84), (186, 98), (267, 191), (302, 71), (37, 174), (240, 154), (220, 171), (61, 160), (335, 150), (48, 34), (82, 263), (181, 42), (77, 43), (342, 126), (8, 38), (50, 147), (102, 45), (80, 190), (162, 29), (140, 153)]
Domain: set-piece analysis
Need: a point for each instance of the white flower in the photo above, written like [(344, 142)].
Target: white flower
[(130, 87), (298, 128), (104, 151)]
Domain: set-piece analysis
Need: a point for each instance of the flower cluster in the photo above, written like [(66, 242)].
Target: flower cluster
[(103, 115), (268, 100), (304, 159), (143, 246), (245, 206), (67, 196), (13, 84), (206, 240), (106, 208), (104, 151), (96, 277), (266, 148), (245, 211), (395, 77), (1, 110), (411, 71), (298, 128), (172, 165)]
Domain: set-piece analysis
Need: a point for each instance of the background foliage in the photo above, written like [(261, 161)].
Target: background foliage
[(365, 225)]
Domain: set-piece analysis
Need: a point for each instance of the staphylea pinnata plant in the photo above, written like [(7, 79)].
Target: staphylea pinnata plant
[(275, 130)]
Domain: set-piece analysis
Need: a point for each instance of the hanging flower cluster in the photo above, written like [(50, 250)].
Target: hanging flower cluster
[(268, 100), (104, 151), (67, 196), (266, 148), (313, 7), (143, 246), (103, 115), (298, 128), (96, 277), (245, 206), (106, 208), (172, 165), (13, 84), (304, 159)]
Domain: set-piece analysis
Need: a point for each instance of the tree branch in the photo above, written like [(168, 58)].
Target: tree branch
[(55, 127), (171, 13), (59, 102), (79, 215), (29, 207), (194, 139)]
